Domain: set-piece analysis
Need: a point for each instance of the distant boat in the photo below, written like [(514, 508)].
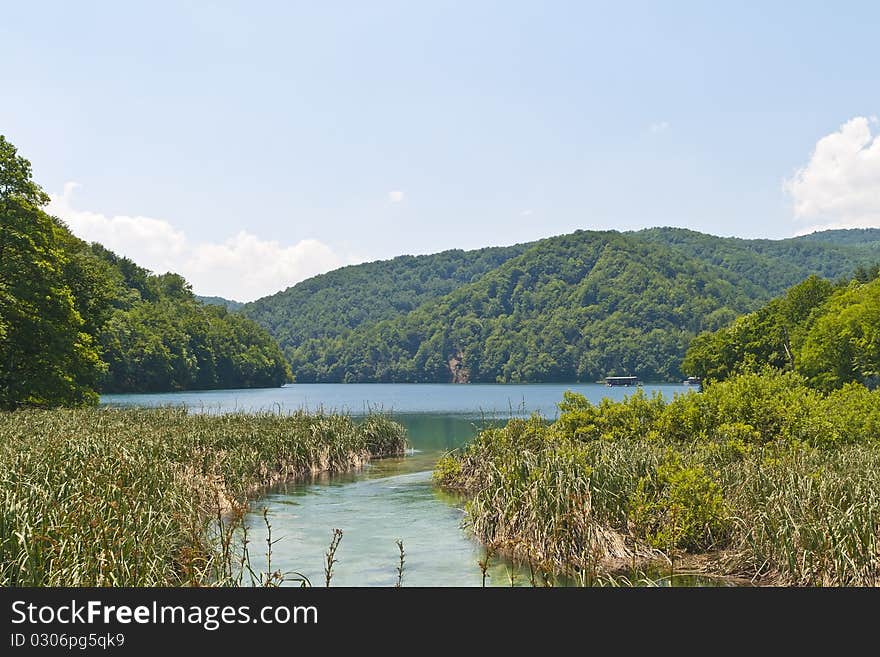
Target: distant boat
[(693, 381), (612, 381)]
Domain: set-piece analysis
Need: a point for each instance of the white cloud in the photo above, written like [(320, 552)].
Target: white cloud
[(840, 186), (395, 196), (526, 213), (660, 126), (242, 267)]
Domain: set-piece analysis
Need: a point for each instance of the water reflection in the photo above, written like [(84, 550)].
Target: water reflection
[(392, 498)]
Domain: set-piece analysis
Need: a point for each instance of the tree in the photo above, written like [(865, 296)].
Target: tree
[(843, 343), (46, 358), (828, 334)]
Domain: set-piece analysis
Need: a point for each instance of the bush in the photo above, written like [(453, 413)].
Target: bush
[(779, 479), (679, 507), (853, 415), (631, 418), (447, 472)]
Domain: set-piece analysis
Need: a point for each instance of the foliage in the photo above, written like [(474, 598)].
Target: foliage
[(778, 480), (229, 304), (851, 236), (46, 355), (842, 343), (679, 507), (775, 265), (576, 307), (132, 497), (828, 333), (179, 344), (76, 318), (634, 417), (332, 304), (158, 337), (573, 307)]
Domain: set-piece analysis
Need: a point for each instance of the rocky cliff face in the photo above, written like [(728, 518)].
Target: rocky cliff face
[(458, 372)]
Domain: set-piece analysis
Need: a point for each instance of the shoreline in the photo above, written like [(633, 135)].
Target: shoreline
[(128, 497)]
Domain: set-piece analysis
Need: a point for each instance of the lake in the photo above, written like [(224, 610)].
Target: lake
[(392, 498)]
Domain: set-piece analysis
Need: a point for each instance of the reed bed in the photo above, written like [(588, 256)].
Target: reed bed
[(152, 497), (760, 478)]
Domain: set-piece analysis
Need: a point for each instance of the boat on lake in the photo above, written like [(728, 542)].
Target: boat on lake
[(612, 381)]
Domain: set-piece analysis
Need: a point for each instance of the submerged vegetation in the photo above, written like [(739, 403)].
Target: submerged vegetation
[(95, 497), (760, 477)]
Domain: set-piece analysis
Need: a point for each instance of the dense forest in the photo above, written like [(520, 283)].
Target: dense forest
[(574, 307), (776, 265), (827, 332), (76, 319), (332, 304)]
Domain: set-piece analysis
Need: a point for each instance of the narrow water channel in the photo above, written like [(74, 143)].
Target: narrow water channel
[(391, 499)]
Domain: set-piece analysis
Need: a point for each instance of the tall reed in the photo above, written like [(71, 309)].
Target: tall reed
[(759, 477), (153, 497)]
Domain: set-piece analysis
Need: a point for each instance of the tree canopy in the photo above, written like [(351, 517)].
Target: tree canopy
[(76, 318), (828, 333), (47, 357), (573, 307), (332, 304)]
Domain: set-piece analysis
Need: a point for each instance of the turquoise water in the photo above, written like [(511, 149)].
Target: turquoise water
[(390, 499), (407, 398)]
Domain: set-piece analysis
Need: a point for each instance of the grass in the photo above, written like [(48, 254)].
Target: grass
[(758, 478), (154, 497)]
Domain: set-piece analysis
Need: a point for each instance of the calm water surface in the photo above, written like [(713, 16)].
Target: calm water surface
[(392, 498)]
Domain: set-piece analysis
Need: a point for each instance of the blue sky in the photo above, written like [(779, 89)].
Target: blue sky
[(249, 145)]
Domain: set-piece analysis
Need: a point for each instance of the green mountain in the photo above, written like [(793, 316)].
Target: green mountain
[(573, 307), (777, 264), (333, 304), (229, 304), (850, 236)]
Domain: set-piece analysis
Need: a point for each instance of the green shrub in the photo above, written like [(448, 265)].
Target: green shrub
[(631, 418), (853, 413), (679, 507), (447, 472), (779, 480)]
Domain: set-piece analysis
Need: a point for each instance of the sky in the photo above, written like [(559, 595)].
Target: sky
[(250, 145)]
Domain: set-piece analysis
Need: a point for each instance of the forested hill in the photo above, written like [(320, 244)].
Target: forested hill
[(574, 307), (777, 264), (827, 332), (331, 304), (76, 319), (850, 236), (158, 336)]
